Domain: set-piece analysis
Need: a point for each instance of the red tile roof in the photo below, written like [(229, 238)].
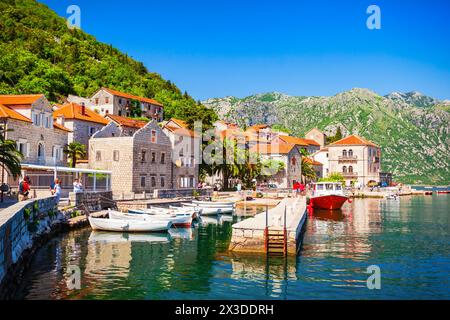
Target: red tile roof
[(132, 97), (127, 122), (298, 141), (7, 113), (74, 111), (313, 162), (19, 100), (182, 128), (354, 140), (60, 127), (281, 148)]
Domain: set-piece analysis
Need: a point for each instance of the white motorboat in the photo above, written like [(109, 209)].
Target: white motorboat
[(214, 204), (177, 220), (161, 211), (115, 237), (122, 225), (210, 211)]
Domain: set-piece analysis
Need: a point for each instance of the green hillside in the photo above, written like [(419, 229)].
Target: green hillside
[(414, 135), (40, 54)]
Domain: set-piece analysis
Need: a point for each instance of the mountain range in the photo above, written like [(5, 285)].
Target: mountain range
[(412, 128)]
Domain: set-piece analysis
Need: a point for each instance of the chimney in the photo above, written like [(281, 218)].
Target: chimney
[(83, 109)]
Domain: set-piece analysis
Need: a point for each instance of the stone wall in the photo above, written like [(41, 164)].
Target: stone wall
[(174, 193), (95, 200), (21, 225)]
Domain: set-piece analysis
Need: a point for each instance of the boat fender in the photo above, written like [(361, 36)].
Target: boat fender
[(350, 200)]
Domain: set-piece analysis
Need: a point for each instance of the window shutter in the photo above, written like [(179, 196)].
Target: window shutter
[(27, 151)]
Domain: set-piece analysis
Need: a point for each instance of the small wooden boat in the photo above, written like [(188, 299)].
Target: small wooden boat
[(210, 211), (161, 211), (121, 225), (214, 204), (176, 220)]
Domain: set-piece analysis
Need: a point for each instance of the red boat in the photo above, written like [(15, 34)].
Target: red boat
[(328, 196)]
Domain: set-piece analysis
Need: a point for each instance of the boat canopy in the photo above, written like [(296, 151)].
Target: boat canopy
[(328, 186)]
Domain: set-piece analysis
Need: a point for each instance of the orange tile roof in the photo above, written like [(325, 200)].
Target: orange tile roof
[(313, 162), (7, 113), (181, 131), (20, 100), (133, 97), (257, 127), (74, 111), (354, 140), (312, 142), (180, 123), (127, 122), (60, 127), (281, 148), (293, 140)]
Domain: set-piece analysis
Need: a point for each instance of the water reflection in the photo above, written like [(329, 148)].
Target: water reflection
[(407, 238)]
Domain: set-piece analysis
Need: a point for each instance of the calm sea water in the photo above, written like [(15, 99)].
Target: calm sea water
[(408, 239)]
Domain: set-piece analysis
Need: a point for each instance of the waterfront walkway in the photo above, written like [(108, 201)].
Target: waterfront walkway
[(249, 235)]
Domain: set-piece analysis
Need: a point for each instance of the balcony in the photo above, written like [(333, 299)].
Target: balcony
[(348, 158), (349, 174)]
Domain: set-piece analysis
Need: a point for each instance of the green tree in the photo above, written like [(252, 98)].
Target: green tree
[(75, 151), (308, 172), (333, 177)]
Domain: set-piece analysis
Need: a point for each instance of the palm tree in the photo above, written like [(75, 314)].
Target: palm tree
[(10, 157), (307, 167), (75, 151)]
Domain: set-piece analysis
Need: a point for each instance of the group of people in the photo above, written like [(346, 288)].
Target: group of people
[(25, 189), (55, 188), (299, 188)]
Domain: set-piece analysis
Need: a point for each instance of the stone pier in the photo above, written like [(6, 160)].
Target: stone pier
[(249, 235)]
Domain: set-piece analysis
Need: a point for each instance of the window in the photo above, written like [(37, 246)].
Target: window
[(120, 101), (319, 187), (153, 136), (143, 181), (350, 169), (116, 155), (163, 182), (106, 100), (153, 157), (329, 186), (23, 147), (350, 153), (338, 187), (41, 151), (163, 158), (344, 169), (120, 113), (98, 156), (92, 131), (344, 153), (96, 101), (153, 179), (191, 182), (143, 155)]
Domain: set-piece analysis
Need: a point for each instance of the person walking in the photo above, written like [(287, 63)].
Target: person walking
[(24, 189)]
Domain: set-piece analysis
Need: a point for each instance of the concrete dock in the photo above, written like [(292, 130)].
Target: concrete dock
[(252, 236)]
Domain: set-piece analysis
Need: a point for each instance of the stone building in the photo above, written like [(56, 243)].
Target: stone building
[(139, 162), (322, 157), (289, 155), (317, 136), (82, 122), (186, 148), (356, 158), (29, 121), (127, 126), (107, 101)]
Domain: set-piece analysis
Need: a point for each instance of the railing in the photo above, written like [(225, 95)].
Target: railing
[(350, 174), (348, 158)]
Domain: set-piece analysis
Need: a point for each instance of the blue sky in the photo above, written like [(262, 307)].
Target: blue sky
[(218, 48)]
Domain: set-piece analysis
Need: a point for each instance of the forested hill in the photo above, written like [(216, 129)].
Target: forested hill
[(40, 54)]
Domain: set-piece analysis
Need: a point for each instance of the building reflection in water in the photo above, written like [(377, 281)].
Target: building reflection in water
[(343, 233)]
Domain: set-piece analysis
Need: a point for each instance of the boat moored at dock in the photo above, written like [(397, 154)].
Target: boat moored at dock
[(328, 196), (121, 225)]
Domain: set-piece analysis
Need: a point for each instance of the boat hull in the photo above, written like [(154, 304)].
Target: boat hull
[(118, 225), (328, 202), (176, 220)]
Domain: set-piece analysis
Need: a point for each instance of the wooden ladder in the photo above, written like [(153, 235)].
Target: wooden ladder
[(276, 242)]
